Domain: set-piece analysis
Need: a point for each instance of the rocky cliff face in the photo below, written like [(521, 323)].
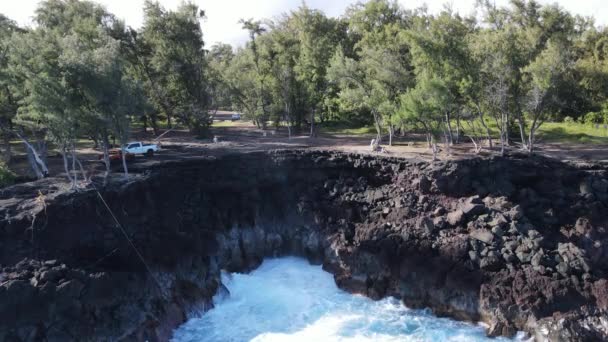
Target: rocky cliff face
[(518, 243)]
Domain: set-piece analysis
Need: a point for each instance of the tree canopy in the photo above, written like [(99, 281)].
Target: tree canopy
[(81, 71)]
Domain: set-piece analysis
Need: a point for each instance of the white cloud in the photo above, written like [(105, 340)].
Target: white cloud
[(223, 15)]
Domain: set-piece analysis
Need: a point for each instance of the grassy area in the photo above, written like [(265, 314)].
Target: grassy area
[(226, 123), (573, 133), (577, 133), (341, 128)]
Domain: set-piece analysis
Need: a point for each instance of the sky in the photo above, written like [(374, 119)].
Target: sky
[(222, 24)]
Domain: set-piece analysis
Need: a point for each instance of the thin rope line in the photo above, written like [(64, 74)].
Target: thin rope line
[(131, 243)]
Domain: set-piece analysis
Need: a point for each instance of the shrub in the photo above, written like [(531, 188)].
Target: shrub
[(593, 118), (568, 120), (7, 177)]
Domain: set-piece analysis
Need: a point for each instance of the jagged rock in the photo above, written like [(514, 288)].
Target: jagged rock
[(511, 245), (50, 275), (440, 211), (474, 256), (515, 213), (439, 222), (537, 258), (424, 185), (498, 203), (508, 256), (585, 188), (498, 231), (472, 206), (426, 225), (523, 254), (600, 291), (490, 262), (583, 227), (563, 269), (483, 235), (50, 263), (455, 217), (374, 196), (499, 221)]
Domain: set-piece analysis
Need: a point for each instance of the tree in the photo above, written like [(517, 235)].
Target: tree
[(60, 68), (260, 114), (423, 106), (544, 75), (592, 69), (439, 50), (495, 54), (50, 104), (316, 35), (218, 60), (379, 72), (113, 95), (8, 100), (169, 58)]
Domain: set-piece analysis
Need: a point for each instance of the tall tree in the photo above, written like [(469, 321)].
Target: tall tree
[(380, 70), (260, 113), (168, 55), (8, 98)]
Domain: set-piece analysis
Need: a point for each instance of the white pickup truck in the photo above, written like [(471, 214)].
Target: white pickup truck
[(138, 147)]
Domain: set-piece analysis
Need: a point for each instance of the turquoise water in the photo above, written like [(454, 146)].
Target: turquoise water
[(288, 299)]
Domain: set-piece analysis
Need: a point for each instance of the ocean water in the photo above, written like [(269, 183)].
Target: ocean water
[(289, 300)]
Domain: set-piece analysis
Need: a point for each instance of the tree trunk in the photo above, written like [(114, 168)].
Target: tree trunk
[(531, 137), (458, 128), (169, 121), (124, 161), (154, 124), (75, 162), (504, 132), (488, 133), (531, 142), (7, 148), (41, 170), (73, 155), (521, 124), (390, 135), (377, 124), (477, 146), (449, 127), (33, 164), (447, 142), (312, 123), (66, 167), (106, 157), (145, 123)]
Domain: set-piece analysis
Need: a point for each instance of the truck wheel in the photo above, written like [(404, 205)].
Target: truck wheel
[(150, 153)]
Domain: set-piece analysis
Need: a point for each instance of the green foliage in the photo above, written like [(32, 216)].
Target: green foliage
[(79, 71), (7, 177), (593, 118), (167, 57), (423, 105)]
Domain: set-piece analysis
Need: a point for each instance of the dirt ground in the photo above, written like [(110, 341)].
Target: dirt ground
[(244, 137)]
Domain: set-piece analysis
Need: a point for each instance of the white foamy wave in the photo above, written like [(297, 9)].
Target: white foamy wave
[(289, 300)]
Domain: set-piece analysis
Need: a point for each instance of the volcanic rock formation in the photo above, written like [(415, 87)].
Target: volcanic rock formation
[(520, 243)]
